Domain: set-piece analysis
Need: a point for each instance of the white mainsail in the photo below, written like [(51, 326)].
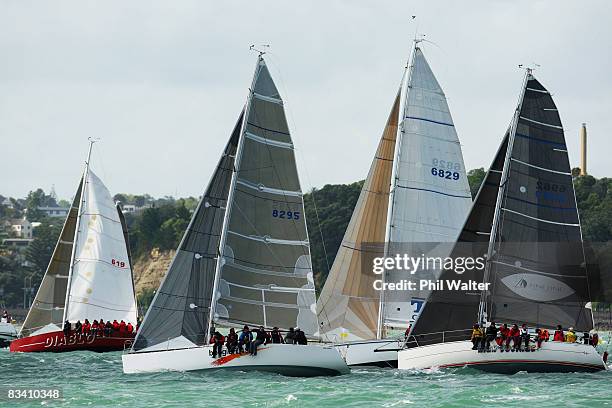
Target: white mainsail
[(416, 191), (101, 284), (430, 194)]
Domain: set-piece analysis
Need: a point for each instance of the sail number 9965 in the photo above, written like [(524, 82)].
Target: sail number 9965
[(287, 215)]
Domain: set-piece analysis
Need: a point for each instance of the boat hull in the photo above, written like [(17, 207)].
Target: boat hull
[(371, 353), (285, 359), (552, 357), (57, 342), (7, 334)]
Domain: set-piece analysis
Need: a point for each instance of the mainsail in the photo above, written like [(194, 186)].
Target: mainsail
[(265, 272), (348, 304), (530, 230), (178, 315), (100, 283), (430, 194), (48, 305)]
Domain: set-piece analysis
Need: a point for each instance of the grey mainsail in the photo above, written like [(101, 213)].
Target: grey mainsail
[(526, 220), (48, 305), (265, 273), (178, 315)]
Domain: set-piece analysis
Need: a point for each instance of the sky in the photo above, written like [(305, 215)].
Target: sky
[(161, 83)]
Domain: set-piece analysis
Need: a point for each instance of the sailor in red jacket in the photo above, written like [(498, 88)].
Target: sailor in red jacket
[(129, 328), (515, 336), (122, 327), (559, 335), (115, 325), (504, 332), (86, 327)]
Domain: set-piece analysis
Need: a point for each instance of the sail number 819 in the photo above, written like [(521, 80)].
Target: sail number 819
[(287, 215), (450, 175)]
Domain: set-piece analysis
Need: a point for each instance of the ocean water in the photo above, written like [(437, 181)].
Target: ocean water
[(91, 379)]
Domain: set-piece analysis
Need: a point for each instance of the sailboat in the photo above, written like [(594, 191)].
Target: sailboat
[(416, 192), (244, 259), (526, 221), (89, 277)]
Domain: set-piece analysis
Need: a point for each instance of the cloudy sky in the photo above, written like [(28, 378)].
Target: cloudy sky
[(161, 82)]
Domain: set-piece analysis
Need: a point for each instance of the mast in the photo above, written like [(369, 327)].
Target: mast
[(78, 226), (482, 310), (231, 197), (400, 132)]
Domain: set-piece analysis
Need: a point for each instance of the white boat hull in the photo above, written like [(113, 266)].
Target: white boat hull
[(285, 359), (371, 353), (552, 357)]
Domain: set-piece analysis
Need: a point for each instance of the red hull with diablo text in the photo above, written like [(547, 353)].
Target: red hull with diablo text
[(56, 342)]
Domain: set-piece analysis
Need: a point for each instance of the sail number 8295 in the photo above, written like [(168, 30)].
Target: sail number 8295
[(287, 215)]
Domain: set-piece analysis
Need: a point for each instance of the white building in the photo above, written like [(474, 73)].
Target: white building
[(22, 228), (55, 211)]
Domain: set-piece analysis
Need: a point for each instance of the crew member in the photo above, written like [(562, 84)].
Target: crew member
[(78, 327), (217, 341), (559, 336), (277, 337), (245, 339), (502, 340), (300, 337), (94, 327), (594, 339), (101, 327), (515, 336), (86, 327), (290, 336), (129, 328), (525, 336), (232, 342), (476, 336), (570, 336), (260, 338), (122, 327), (108, 328), (490, 335), (67, 327)]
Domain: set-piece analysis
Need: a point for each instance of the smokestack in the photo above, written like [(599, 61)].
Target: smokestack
[(583, 150)]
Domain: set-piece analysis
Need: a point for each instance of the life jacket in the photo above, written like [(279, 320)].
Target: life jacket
[(570, 337), (558, 336), (504, 331), (476, 333), (86, 327), (115, 325), (122, 326), (544, 335), (130, 328), (514, 332)]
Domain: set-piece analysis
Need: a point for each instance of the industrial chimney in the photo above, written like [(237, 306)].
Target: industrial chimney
[(583, 150)]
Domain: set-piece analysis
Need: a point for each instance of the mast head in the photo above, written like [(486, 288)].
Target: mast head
[(529, 68), (259, 49)]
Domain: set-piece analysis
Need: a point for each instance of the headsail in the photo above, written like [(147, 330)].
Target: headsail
[(265, 273), (101, 284), (348, 304), (48, 305), (430, 195), (178, 315)]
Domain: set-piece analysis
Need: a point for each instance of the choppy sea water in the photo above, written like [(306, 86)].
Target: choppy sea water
[(91, 379)]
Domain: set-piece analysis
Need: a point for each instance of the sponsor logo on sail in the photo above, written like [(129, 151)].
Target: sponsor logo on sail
[(537, 287)]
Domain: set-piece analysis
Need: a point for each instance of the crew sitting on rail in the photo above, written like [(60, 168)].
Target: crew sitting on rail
[(122, 327), (276, 336), (86, 327), (108, 328), (78, 327), (115, 325), (260, 338), (217, 341), (300, 337), (490, 335), (476, 336), (525, 337), (232, 342), (542, 335), (290, 336), (101, 327), (559, 336), (502, 338), (514, 335), (245, 339), (67, 327), (129, 328), (570, 336)]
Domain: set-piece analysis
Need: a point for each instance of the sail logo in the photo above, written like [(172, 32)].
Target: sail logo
[(537, 287)]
